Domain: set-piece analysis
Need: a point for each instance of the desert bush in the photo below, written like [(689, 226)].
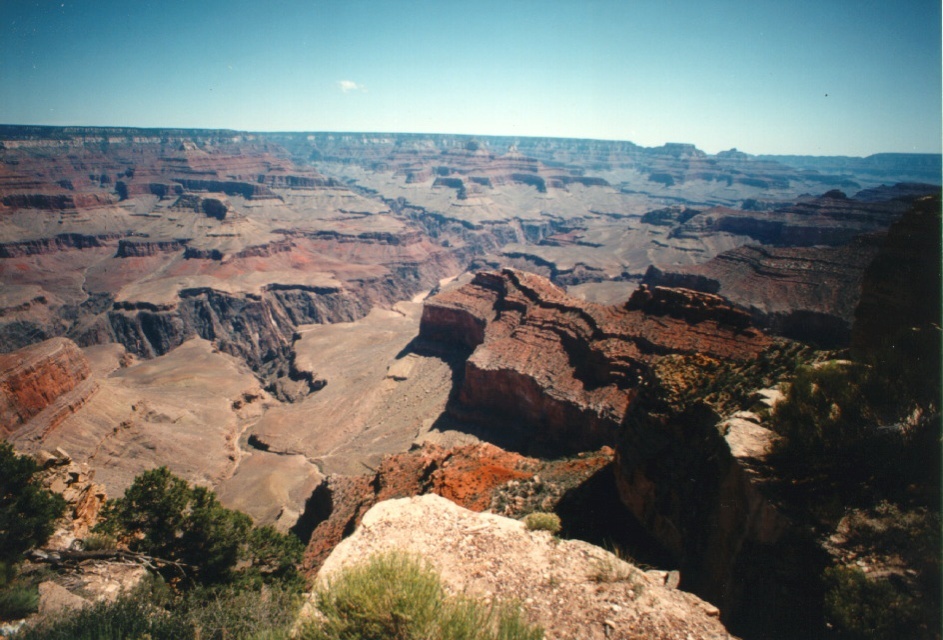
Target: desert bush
[(233, 612), (154, 611), (542, 521), (28, 512), (18, 601), (845, 419), (859, 607), (130, 616), (99, 542), (161, 515), (395, 596)]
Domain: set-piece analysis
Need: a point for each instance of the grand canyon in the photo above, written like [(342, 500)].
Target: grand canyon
[(315, 324)]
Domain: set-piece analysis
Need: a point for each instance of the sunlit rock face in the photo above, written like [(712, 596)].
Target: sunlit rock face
[(45, 377), (560, 374)]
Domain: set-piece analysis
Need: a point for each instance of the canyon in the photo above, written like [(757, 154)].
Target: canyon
[(314, 323)]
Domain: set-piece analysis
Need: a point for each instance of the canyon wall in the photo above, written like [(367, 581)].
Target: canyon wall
[(45, 376)]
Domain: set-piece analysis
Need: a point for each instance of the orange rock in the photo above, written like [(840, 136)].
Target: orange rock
[(34, 377)]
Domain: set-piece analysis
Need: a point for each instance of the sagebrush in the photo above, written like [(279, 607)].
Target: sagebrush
[(396, 596)]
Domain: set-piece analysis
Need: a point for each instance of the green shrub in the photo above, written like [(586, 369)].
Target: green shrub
[(395, 596), (28, 512), (99, 542), (130, 616), (858, 607), (18, 601), (153, 611), (390, 596), (541, 521), (227, 613), (161, 515)]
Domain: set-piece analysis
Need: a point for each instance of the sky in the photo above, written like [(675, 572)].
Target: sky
[(814, 77)]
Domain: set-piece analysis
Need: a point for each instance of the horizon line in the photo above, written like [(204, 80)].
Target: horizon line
[(470, 136)]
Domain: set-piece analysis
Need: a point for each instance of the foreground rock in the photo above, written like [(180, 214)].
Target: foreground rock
[(571, 588)]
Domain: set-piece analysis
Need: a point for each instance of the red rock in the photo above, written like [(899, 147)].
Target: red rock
[(33, 378), (469, 476), (562, 371)]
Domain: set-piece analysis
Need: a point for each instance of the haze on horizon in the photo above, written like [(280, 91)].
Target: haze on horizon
[(805, 77)]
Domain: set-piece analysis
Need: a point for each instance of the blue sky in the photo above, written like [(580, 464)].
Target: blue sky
[(822, 77)]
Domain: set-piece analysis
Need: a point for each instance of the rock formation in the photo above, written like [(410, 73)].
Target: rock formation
[(901, 288), (570, 588), (47, 378), (804, 293), (832, 219), (559, 374), (477, 477)]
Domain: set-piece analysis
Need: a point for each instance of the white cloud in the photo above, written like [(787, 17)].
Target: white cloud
[(349, 85)]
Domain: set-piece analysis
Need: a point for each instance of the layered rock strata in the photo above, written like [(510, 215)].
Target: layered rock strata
[(832, 219), (803, 293), (560, 373), (49, 376)]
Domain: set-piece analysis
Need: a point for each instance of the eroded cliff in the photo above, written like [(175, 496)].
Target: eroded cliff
[(48, 378), (551, 373)]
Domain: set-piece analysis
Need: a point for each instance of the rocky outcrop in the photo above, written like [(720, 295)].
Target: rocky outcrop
[(211, 205), (60, 242), (803, 293), (570, 588), (56, 202), (259, 328), (144, 248), (556, 374), (84, 497), (247, 190), (700, 487), (40, 377), (477, 477), (256, 328)]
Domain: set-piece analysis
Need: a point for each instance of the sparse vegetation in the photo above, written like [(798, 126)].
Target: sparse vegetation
[(395, 596), (542, 521), (860, 607), (156, 611), (222, 577), (99, 542), (857, 421), (17, 601), (203, 542), (726, 386), (28, 512)]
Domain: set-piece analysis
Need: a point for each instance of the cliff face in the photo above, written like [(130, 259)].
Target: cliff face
[(564, 375), (901, 287), (562, 371), (804, 293), (35, 378), (695, 484), (832, 219)]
